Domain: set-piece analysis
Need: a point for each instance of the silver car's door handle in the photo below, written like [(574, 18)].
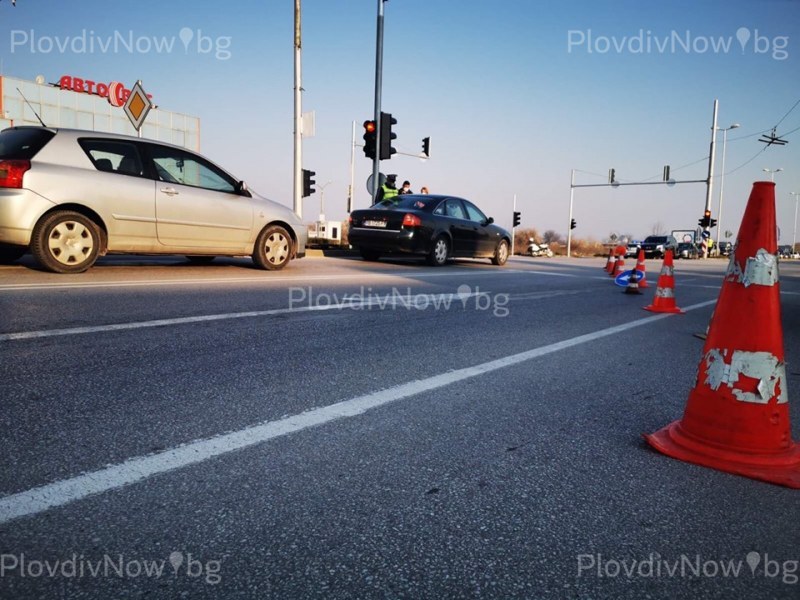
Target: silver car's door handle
[(169, 191)]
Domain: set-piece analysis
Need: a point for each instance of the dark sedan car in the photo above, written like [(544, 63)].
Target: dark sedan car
[(437, 227)]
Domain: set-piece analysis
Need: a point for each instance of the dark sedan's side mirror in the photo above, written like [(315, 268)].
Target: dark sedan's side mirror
[(489, 221)]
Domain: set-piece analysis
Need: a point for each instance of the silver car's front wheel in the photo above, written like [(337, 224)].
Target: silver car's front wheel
[(273, 248), (66, 242)]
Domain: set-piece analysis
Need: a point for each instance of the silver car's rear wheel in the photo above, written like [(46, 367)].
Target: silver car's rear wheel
[(65, 242), (273, 248)]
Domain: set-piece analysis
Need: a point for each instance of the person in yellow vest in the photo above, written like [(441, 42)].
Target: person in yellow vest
[(388, 191)]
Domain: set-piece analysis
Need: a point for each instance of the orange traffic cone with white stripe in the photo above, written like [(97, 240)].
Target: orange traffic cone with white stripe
[(619, 266), (737, 417), (665, 292), (610, 262), (640, 267)]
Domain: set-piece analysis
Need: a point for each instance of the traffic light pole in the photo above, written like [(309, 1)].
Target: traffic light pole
[(513, 227), (376, 162), (298, 115), (569, 226)]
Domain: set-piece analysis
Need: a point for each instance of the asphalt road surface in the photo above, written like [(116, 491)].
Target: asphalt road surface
[(345, 429)]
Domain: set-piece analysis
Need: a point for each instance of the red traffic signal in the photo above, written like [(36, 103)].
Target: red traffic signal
[(370, 139)]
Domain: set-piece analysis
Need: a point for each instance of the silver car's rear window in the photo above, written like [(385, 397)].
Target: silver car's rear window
[(23, 143)]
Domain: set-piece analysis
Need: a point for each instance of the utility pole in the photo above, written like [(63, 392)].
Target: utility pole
[(376, 162), (710, 185), (352, 170), (298, 115)]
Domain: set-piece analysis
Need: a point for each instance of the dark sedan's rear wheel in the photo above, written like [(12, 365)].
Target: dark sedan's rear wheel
[(9, 253), (273, 248), (65, 242), (440, 251), (500, 254), (370, 255)]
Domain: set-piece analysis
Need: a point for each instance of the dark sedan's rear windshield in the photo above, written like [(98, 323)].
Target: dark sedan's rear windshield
[(23, 144), (409, 201)]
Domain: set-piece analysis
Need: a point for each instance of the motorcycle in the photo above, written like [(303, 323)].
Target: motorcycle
[(542, 249)]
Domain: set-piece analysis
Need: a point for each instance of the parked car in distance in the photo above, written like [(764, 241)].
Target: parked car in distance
[(724, 248), (655, 246), (786, 251), (687, 250), (633, 248), (70, 196), (434, 226)]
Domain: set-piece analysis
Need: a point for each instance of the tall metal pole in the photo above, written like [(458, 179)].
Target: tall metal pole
[(352, 170), (721, 183), (794, 235), (376, 162), (513, 229), (298, 115), (569, 222), (710, 184)]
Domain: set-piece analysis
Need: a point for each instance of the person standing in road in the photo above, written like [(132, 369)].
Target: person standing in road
[(406, 189), (388, 191), (424, 190)]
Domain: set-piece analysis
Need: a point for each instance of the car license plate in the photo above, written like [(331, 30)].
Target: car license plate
[(373, 223)]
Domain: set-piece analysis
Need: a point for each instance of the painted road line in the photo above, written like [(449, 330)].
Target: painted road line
[(133, 470), (26, 287)]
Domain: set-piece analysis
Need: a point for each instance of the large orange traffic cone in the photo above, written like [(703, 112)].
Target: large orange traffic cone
[(737, 416), (640, 268), (665, 292)]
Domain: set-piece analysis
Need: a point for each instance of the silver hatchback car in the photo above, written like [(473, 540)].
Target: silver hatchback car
[(70, 196)]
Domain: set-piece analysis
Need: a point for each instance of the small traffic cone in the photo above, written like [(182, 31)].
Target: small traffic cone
[(633, 283), (665, 292), (609, 266), (737, 416), (619, 266), (640, 268)]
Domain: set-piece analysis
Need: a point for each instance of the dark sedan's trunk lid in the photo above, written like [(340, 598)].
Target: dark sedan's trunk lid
[(373, 218)]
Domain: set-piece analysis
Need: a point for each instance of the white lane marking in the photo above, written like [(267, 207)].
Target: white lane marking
[(16, 287), (346, 301), (133, 470)]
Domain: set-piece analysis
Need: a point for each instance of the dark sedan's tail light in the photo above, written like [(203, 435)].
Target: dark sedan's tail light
[(410, 220), (11, 172)]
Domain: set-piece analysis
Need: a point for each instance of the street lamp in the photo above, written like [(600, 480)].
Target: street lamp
[(322, 200), (772, 172), (794, 235), (724, 131)]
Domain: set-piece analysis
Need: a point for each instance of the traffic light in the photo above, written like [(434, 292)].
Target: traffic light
[(706, 220), (712, 223), (308, 182), (612, 176), (516, 218), (426, 146), (573, 225), (369, 139), (387, 136)]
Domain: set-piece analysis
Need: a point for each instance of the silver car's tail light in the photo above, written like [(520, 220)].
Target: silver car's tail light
[(11, 172)]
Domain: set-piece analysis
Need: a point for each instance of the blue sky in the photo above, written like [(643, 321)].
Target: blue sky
[(513, 94)]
